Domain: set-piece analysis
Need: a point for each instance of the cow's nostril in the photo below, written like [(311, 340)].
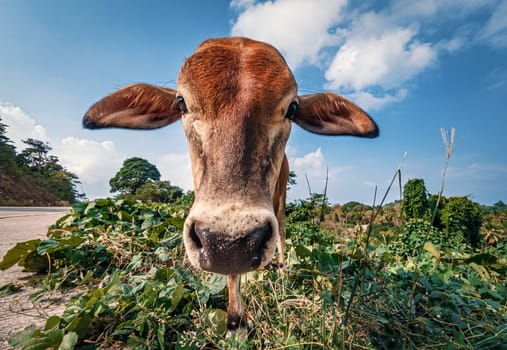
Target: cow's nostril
[(194, 236), (261, 236)]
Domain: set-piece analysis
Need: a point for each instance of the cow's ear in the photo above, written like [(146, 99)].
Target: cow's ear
[(331, 114), (138, 106)]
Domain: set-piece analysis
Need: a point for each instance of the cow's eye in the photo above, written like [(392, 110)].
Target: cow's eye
[(291, 110), (181, 103)]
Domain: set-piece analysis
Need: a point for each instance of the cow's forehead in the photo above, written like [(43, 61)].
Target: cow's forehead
[(238, 73)]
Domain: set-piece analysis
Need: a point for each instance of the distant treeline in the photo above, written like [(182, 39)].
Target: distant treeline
[(33, 177)]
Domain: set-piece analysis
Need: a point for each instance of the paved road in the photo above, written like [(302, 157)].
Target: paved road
[(19, 224)]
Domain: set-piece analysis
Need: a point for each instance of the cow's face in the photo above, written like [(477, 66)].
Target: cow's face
[(237, 98)]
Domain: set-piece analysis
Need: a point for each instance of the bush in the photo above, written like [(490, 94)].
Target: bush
[(462, 217), (412, 236), (415, 200), (159, 191)]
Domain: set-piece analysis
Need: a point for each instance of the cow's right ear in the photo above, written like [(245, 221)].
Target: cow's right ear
[(331, 114), (138, 106)]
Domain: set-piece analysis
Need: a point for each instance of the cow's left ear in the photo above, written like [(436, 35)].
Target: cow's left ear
[(137, 106), (331, 114)]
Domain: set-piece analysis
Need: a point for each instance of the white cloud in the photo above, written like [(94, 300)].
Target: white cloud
[(298, 28), (93, 162), (311, 163), (176, 168), (371, 102), (375, 54), (495, 30), (314, 167), (21, 126), (497, 78)]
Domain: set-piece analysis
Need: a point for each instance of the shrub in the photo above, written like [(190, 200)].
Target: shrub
[(461, 216), (415, 200)]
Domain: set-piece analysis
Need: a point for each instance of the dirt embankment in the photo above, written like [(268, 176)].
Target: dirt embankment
[(16, 311), (20, 189)]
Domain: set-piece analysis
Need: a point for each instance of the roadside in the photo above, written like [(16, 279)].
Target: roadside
[(19, 224)]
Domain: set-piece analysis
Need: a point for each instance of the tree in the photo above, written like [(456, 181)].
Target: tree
[(159, 191), (461, 216), (7, 150), (134, 173), (415, 199), (36, 155), (292, 180)]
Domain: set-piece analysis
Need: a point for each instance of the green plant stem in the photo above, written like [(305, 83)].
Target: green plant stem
[(359, 276)]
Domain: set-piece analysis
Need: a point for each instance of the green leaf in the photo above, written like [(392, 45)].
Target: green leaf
[(124, 216), (52, 322), (50, 245), (481, 270), (164, 274), (163, 254), (216, 283), (54, 336), (21, 338), (69, 341), (178, 293), (8, 289), (216, 319), (105, 202), (302, 252), (35, 263), (47, 246), (161, 336), (176, 222), (19, 253), (80, 324)]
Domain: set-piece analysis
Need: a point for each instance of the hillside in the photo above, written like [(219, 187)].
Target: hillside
[(22, 190), (33, 177)]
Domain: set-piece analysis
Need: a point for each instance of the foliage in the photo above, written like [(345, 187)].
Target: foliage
[(137, 291), (157, 191), (313, 209), (292, 180), (494, 225), (7, 150), (35, 156), (415, 199), (354, 212), (461, 216), (134, 173), (416, 233), (34, 177), (433, 201)]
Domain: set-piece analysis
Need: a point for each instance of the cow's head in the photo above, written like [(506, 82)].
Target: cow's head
[(237, 99)]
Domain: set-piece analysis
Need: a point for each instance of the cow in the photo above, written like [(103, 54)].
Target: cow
[(237, 100)]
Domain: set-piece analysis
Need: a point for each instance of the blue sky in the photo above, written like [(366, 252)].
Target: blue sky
[(415, 67)]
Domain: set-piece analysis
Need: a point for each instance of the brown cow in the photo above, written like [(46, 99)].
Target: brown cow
[(237, 99)]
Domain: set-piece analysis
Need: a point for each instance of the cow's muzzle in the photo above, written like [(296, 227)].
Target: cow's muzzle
[(230, 256)]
